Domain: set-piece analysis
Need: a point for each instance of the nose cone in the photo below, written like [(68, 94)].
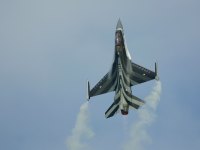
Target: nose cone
[(119, 25)]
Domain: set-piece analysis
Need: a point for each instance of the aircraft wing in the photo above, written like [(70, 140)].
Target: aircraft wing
[(106, 84), (140, 74)]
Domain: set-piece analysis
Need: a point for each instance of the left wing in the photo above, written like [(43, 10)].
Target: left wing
[(140, 74), (106, 84)]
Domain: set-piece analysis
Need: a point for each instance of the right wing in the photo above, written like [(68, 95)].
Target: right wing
[(106, 84), (140, 74)]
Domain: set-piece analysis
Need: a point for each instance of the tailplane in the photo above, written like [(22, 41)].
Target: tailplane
[(112, 110), (134, 101)]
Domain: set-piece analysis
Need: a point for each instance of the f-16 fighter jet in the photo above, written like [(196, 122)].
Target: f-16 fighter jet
[(122, 75)]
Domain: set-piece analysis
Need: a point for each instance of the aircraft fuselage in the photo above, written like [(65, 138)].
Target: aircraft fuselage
[(121, 62), (122, 75)]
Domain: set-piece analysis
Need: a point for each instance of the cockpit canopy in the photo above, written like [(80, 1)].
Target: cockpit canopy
[(118, 38)]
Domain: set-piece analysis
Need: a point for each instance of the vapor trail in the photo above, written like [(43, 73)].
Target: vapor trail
[(81, 130), (138, 134)]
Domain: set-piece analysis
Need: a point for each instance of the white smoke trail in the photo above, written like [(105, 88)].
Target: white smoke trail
[(138, 134), (81, 131)]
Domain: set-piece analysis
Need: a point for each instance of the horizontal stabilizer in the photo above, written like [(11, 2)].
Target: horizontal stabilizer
[(135, 102), (112, 110)]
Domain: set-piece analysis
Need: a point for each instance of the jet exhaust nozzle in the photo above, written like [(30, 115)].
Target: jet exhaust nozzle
[(123, 112)]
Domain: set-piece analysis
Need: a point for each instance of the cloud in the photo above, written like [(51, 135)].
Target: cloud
[(81, 131), (138, 134)]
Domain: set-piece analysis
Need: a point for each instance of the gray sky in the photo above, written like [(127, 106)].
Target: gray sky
[(48, 49)]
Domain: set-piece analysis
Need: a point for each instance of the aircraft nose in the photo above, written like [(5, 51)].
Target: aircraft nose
[(119, 25)]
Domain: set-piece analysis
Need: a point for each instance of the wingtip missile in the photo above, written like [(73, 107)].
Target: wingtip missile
[(156, 71), (88, 91)]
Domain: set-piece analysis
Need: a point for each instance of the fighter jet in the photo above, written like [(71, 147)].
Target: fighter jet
[(121, 77)]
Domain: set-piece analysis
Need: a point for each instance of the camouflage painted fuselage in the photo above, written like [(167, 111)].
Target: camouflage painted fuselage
[(121, 77)]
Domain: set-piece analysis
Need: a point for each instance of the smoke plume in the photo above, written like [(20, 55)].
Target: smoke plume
[(146, 115), (81, 131)]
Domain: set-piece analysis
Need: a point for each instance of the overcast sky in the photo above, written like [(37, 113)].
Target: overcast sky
[(49, 48)]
